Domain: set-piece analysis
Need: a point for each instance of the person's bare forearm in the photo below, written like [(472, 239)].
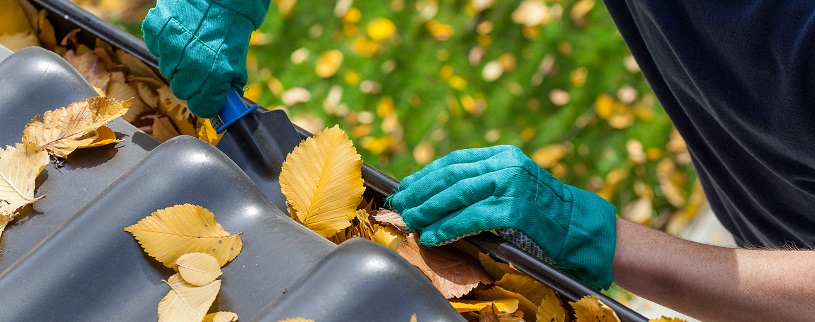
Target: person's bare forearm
[(714, 283)]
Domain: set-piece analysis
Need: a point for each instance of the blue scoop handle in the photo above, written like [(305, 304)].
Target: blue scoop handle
[(233, 110)]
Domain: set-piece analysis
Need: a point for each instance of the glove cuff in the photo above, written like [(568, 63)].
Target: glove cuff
[(588, 250), (254, 10)]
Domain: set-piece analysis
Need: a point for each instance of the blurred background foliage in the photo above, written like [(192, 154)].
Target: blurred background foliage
[(411, 81)]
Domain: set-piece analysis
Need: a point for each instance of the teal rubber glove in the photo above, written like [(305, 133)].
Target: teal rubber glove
[(202, 47), (500, 188)]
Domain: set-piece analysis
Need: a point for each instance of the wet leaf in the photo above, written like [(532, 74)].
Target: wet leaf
[(19, 167), (221, 317), (174, 231), (506, 305), (64, 130), (198, 269), (450, 270), (186, 302), (591, 309), (322, 181)]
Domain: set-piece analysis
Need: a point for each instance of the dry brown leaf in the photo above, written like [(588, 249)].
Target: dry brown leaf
[(186, 302), (70, 38), (105, 54), (89, 66), (322, 181), (495, 268), (498, 293), (147, 94), (508, 305), (391, 218), (171, 232), (450, 270), (177, 110), (65, 129), (221, 317), (198, 269), (19, 167), (120, 90), (134, 66), (591, 309), (493, 314), (388, 236), (104, 136), (163, 129)]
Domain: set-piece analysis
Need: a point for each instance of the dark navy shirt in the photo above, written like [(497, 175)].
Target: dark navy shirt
[(737, 77)]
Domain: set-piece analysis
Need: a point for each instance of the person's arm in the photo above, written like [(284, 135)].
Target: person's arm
[(714, 283)]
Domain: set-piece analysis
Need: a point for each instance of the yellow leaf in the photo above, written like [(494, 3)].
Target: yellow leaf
[(322, 181), (391, 218), (590, 309), (666, 319), (46, 33), (498, 293), (388, 236), (529, 288), (198, 269), (104, 136), (493, 314), (186, 302), (509, 305), (221, 317), (171, 232), (19, 167), (413, 318), (328, 63), (551, 310), (16, 31), (450, 270), (64, 130), (120, 90), (381, 28), (177, 110), (549, 156), (363, 228), (207, 133), (494, 268)]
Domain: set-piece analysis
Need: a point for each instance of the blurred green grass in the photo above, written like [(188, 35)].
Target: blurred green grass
[(568, 94)]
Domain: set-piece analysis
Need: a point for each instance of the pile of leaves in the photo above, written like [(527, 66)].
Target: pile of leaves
[(112, 73), (322, 181), (57, 133), (187, 239)]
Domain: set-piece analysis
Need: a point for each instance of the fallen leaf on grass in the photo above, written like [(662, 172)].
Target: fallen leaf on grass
[(450, 270), (198, 269), (591, 309), (186, 302), (171, 232), (391, 218), (322, 181), (509, 305), (221, 317), (65, 129), (19, 167)]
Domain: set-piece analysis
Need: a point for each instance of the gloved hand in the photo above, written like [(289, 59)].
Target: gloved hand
[(475, 190), (202, 47)]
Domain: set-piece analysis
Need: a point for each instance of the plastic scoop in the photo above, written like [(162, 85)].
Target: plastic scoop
[(233, 110)]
